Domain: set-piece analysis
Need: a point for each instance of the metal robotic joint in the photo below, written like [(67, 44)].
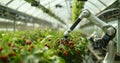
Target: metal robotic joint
[(66, 33), (111, 31), (84, 14)]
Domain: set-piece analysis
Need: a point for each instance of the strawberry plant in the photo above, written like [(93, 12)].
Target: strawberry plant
[(41, 47), (72, 52)]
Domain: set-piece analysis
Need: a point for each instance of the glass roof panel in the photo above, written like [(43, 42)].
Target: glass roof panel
[(4, 1), (65, 14), (40, 16), (25, 7), (55, 2), (43, 2), (14, 4), (47, 2), (37, 12), (31, 11)]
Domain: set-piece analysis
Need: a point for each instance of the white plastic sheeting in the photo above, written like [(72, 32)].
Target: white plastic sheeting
[(3, 2), (64, 12), (98, 5), (21, 5)]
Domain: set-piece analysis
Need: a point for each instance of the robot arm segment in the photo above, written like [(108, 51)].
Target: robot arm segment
[(82, 15), (109, 30)]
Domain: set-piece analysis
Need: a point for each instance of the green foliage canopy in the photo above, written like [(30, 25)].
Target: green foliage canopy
[(76, 9)]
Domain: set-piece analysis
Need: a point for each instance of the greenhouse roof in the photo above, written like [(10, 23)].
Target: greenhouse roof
[(60, 8)]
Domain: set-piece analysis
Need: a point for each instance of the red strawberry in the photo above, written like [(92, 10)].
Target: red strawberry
[(49, 39), (64, 43), (71, 46), (71, 43), (47, 45), (58, 42), (9, 44), (1, 49), (41, 39), (31, 46), (4, 58), (21, 61), (12, 45), (66, 53), (12, 54), (61, 49), (23, 37), (29, 49), (28, 42)]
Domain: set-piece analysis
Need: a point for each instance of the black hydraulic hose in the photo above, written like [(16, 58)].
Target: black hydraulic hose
[(75, 24)]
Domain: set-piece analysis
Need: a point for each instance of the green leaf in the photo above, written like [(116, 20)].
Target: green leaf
[(76, 9), (0, 34), (28, 1)]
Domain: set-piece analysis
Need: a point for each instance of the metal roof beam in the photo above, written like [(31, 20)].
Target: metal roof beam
[(37, 20), (9, 2)]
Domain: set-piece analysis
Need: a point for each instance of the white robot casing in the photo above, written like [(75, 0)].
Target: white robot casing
[(98, 6)]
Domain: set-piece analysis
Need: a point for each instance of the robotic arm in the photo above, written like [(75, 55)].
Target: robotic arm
[(109, 30), (91, 8)]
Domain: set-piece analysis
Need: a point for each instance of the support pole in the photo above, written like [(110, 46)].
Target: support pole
[(118, 40), (33, 25), (14, 25)]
